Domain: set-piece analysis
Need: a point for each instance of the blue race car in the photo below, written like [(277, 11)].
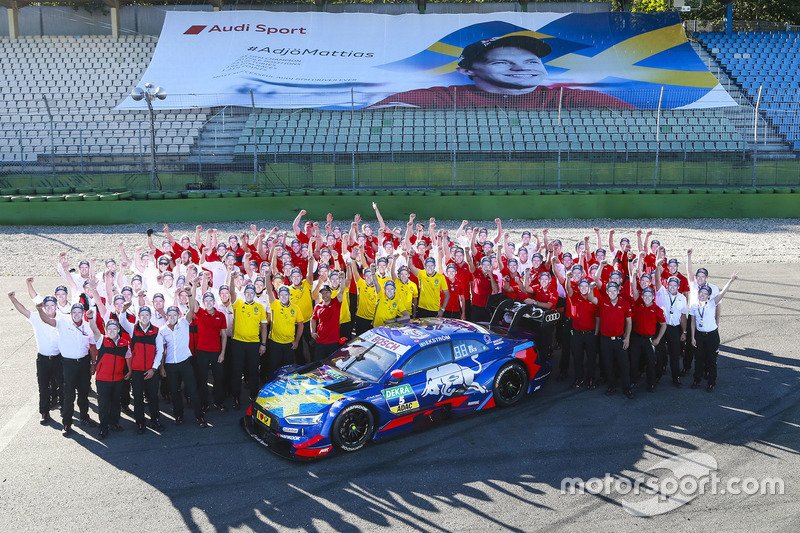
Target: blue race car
[(399, 377)]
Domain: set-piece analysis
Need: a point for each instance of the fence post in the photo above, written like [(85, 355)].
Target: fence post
[(52, 139), (80, 147), (560, 134), (21, 154), (755, 133), (658, 136), (454, 135), (353, 151), (255, 144)]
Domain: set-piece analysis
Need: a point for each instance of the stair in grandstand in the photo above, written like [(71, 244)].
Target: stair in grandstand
[(774, 142), (219, 136)]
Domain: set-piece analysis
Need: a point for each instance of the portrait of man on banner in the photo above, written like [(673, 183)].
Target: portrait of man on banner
[(507, 72)]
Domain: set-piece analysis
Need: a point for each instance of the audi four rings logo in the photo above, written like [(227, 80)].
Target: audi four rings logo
[(552, 317)]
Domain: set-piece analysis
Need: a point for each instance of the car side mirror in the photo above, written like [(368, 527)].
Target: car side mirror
[(397, 375)]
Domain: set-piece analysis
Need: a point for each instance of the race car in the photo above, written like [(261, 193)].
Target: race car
[(399, 377)]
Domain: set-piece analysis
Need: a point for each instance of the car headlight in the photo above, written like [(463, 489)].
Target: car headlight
[(304, 420)]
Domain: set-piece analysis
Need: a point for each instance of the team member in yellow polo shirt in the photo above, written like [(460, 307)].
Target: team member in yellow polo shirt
[(249, 341), (390, 306), (300, 295), (406, 289), (287, 329), (431, 286), (367, 298)]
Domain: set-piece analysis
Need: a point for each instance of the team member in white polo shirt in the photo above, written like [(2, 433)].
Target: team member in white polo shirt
[(705, 334), (75, 342), (177, 365), (48, 359), (673, 303)]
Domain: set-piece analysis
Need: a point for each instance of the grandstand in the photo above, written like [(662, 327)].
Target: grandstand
[(767, 61), (58, 115), (81, 80)]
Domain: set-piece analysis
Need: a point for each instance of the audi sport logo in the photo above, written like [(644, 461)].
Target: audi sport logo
[(552, 317)]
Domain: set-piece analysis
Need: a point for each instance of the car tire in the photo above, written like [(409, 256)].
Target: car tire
[(352, 427), (510, 384)]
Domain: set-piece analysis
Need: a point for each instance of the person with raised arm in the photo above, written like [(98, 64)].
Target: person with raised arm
[(112, 366), (705, 332)]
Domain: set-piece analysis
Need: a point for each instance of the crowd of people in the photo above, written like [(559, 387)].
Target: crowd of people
[(184, 313)]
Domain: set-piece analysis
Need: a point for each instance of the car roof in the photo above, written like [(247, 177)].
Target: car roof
[(424, 331)]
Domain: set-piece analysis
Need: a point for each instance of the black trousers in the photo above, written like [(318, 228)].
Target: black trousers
[(280, 355), (47, 370), (611, 351), (302, 355), (245, 359), (452, 314), (705, 355), (426, 313), (566, 346), (77, 379), (321, 351), (671, 345), (144, 387), (346, 330), (177, 372), (583, 346), (204, 361), (642, 349), (362, 324), (227, 368), (108, 403)]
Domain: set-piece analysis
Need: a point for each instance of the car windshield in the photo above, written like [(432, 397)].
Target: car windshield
[(364, 359)]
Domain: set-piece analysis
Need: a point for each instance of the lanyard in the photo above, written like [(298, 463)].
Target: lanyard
[(671, 303), (701, 310)]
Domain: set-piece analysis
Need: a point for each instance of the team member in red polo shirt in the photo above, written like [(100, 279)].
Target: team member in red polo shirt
[(212, 341), (325, 322), (483, 285), (112, 367), (649, 327), (585, 323), (147, 351), (615, 335)]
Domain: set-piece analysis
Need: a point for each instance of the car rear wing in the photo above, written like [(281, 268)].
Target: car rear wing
[(512, 318)]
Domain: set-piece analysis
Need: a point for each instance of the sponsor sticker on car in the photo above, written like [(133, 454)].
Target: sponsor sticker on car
[(401, 399), (261, 417), (389, 344)]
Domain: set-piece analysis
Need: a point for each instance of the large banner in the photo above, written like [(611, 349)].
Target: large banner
[(355, 60)]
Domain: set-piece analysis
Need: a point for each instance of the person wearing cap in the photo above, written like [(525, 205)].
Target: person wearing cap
[(649, 327), (177, 366), (303, 235), (76, 345), (147, 353), (48, 357), (287, 329), (483, 285), (300, 289), (367, 298), (406, 289), (506, 71), (249, 341), (671, 271), (622, 255), (614, 328), (389, 306), (697, 280), (705, 332), (184, 244), (583, 333), (324, 323), (673, 304), (456, 305), (112, 366), (212, 340), (432, 285)]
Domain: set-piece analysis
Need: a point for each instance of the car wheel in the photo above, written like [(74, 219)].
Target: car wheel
[(510, 384), (352, 428)]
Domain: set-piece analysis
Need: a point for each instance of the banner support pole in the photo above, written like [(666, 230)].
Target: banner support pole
[(560, 134), (755, 133), (353, 151)]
